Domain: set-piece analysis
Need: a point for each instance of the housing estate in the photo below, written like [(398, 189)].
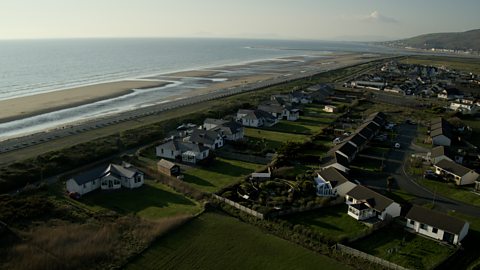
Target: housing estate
[(185, 151), (256, 118), (436, 225)]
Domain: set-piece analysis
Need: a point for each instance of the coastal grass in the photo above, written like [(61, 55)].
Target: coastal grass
[(216, 241), (333, 222), (221, 173), (151, 201), (409, 250), (458, 63)]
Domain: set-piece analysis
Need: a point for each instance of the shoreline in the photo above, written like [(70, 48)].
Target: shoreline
[(28, 106)]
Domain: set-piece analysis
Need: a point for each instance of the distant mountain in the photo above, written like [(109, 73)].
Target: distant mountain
[(464, 41)]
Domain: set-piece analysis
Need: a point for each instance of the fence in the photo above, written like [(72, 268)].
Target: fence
[(239, 207), (368, 257), (243, 157)]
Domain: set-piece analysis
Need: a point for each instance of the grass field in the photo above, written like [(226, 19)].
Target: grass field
[(273, 139), (333, 222), (151, 201), (403, 248), (462, 64), (475, 125), (221, 173), (215, 241)]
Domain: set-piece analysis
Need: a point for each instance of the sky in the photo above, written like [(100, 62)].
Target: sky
[(271, 19)]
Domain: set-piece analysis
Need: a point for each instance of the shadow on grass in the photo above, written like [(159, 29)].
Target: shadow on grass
[(197, 180), (135, 200)]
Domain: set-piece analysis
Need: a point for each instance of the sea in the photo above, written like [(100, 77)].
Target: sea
[(29, 67)]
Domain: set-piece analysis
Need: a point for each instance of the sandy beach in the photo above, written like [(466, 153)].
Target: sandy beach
[(22, 107)]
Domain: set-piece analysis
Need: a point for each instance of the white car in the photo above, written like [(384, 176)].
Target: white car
[(397, 145)]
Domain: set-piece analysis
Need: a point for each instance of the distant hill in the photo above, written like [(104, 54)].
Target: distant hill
[(469, 40)]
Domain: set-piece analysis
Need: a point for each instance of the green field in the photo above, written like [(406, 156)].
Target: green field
[(462, 64), (221, 173), (333, 222), (273, 139), (403, 248), (215, 241), (151, 201)]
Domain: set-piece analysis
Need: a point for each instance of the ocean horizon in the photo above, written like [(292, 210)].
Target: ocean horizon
[(30, 67)]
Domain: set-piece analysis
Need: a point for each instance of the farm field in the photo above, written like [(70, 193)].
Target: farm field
[(221, 173), (215, 241)]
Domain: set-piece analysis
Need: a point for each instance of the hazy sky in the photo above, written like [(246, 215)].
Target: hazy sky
[(289, 19)]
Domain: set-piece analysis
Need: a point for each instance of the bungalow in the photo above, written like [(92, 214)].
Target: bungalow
[(348, 150), (450, 93), (209, 138), (230, 130), (365, 132), (358, 141), (300, 97), (450, 170), (436, 225), (280, 112), (168, 168), (441, 132), (378, 118), (465, 106), (211, 123), (330, 109), (256, 118), (330, 182), (110, 177), (437, 154), (338, 162), (186, 151), (364, 203), (369, 85)]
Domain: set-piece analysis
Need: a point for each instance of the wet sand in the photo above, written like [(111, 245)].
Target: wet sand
[(22, 107)]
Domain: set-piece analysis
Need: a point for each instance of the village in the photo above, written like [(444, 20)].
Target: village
[(333, 155)]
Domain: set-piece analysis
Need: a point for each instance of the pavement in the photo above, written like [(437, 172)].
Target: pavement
[(395, 166)]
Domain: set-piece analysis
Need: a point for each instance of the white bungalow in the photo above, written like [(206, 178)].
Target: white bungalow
[(436, 225), (112, 177), (364, 203), (330, 182), (453, 171), (330, 109)]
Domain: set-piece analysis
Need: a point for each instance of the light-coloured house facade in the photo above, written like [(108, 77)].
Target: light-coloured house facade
[(364, 203), (450, 170), (330, 183), (186, 151), (330, 109), (436, 225)]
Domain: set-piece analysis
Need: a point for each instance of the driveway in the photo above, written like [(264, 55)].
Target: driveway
[(406, 136)]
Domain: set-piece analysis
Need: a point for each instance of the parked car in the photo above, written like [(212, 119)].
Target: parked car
[(429, 174), (397, 145)]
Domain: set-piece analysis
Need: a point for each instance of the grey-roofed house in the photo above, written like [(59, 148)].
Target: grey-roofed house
[(450, 170), (338, 162), (211, 123), (364, 203), (437, 154), (232, 131), (436, 225), (185, 151), (365, 132), (358, 140), (210, 138), (330, 182), (256, 118), (348, 150), (441, 132), (106, 177)]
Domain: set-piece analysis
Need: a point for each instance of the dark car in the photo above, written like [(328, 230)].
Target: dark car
[(431, 175)]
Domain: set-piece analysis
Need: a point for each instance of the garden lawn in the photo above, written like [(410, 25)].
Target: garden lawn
[(333, 222), (273, 139), (215, 241), (151, 201), (221, 173), (450, 190), (403, 248)]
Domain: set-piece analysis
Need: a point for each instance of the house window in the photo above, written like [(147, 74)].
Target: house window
[(116, 182), (171, 153), (412, 222), (350, 199), (93, 182), (84, 185), (161, 150), (434, 230), (423, 226)]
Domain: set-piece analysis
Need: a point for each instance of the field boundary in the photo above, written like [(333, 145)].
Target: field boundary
[(239, 207), (368, 257)]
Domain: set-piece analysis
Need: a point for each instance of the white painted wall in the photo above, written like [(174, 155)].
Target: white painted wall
[(166, 153)]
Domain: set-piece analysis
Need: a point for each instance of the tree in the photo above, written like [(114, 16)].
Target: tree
[(390, 182)]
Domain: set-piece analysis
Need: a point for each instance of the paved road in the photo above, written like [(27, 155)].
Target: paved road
[(407, 134)]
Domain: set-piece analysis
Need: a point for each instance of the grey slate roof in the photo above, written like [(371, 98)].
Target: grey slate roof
[(333, 176), (375, 200), (231, 127), (89, 175), (453, 167), (204, 136), (357, 140), (214, 121), (436, 219), (348, 149), (438, 151)]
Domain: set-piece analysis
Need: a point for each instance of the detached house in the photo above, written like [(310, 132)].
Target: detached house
[(338, 162), (364, 203), (209, 138), (450, 93), (280, 111), (230, 130), (330, 182), (256, 118), (348, 150), (441, 132), (110, 177), (185, 151), (436, 225), (450, 170)]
